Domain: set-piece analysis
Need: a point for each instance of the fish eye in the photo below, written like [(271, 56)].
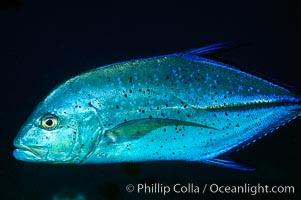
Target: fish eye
[(49, 122)]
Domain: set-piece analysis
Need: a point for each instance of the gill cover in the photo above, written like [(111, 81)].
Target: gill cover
[(89, 134)]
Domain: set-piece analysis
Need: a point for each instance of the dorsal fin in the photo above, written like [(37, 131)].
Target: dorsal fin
[(213, 48)]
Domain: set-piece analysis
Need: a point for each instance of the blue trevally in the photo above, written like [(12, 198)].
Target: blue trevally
[(172, 107)]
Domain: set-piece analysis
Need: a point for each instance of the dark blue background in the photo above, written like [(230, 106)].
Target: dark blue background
[(43, 45)]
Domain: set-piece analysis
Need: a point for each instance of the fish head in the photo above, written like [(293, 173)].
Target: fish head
[(57, 133)]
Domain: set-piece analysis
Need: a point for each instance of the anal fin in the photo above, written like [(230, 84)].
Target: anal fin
[(229, 164)]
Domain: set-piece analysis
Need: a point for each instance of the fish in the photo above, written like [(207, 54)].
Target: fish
[(180, 106)]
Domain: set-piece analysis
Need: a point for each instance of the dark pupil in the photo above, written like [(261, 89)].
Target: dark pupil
[(49, 122)]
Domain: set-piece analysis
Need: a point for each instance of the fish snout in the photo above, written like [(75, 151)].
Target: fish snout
[(22, 139), (27, 148)]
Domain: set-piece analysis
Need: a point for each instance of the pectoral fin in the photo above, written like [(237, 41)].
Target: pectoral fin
[(137, 128)]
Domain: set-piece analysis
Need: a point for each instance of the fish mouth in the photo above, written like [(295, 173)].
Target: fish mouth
[(28, 153)]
